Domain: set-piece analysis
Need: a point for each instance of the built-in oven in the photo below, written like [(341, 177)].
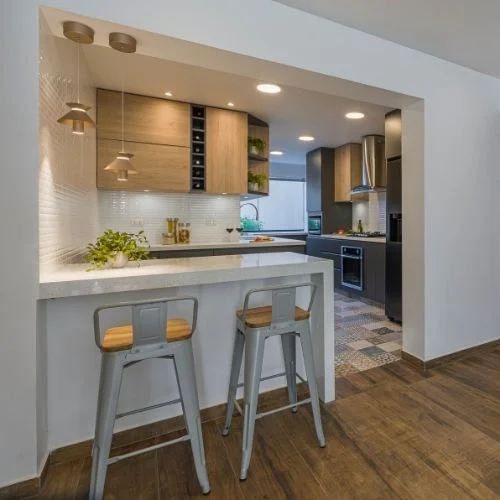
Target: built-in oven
[(351, 267), (315, 223)]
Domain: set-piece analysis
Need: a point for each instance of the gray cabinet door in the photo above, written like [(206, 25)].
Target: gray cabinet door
[(255, 248), (176, 254)]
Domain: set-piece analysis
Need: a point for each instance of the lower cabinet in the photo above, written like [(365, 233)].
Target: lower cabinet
[(176, 254), (373, 265)]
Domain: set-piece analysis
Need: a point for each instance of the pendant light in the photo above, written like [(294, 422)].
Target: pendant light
[(121, 164), (77, 117)]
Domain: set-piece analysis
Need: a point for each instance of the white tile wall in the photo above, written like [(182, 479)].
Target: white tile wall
[(208, 215), (371, 212), (68, 217)]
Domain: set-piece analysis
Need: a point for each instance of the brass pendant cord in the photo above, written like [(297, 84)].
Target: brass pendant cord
[(78, 73), (123, 112)]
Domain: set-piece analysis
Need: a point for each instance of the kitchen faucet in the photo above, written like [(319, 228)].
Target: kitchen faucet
[(254, 206)]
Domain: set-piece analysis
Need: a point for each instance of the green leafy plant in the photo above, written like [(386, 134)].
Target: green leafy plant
[(259, 179), (257, 143), (134, 246), (250, 225)]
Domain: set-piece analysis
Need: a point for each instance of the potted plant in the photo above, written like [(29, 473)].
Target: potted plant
[(114, 249), (256, 146), (256, 181)]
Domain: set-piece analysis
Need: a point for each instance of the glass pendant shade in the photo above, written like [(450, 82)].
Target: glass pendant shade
[(77, 117), (122, 166)]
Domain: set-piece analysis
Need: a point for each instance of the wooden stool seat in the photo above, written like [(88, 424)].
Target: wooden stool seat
[(260, 317), (119, 338)]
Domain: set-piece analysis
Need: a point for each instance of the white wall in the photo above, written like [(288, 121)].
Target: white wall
[(460, 170)]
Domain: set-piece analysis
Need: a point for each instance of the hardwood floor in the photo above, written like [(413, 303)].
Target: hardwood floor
[(394, 432)]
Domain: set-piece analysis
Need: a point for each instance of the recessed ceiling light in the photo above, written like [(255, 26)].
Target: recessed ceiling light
[(269, 88), (355, 115), (276, 153), (169, 94), (306, 138), (230, 104)]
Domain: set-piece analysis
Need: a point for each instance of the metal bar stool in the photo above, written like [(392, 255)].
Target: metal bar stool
[(254, 326), (151, 335)]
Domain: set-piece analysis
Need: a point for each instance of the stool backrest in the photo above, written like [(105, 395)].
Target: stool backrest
[(149, 319), (283, 302)]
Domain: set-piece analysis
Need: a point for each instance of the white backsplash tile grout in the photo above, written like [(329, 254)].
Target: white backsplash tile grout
[(209, 215)]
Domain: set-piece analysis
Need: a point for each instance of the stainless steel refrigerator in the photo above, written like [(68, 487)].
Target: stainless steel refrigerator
[(394, 243)]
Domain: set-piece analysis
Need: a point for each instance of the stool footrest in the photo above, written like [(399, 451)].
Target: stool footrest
[(112, 460), (276, 375), (281, 408), (152, 407)]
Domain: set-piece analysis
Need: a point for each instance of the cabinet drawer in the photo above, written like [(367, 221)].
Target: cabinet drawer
[(178, 254), (332, 256)]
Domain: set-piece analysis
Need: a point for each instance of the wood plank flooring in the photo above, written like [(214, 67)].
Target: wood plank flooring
[(394, 432)]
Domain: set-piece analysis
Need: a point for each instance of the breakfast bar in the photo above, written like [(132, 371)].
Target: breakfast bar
[(69, 296)]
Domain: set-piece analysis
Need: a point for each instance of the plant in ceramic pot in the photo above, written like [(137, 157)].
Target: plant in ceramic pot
[(256, 146), (256, 181), (114, 249)]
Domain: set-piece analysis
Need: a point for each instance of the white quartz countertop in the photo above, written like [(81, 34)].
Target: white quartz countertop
[(353, 238), (241, 243), (74, 280)]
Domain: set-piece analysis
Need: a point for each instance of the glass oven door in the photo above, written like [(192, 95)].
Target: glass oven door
[(352, 268)]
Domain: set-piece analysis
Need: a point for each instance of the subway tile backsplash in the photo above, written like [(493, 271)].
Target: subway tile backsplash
[(371, 212), (209, 215), (68, 217)]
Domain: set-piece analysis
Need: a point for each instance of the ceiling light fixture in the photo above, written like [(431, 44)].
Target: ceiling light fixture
[(121, 164), (169, 94), (306, 138), (77, 117), (269, 88), (276, 153), (355, 115), (230, 104)]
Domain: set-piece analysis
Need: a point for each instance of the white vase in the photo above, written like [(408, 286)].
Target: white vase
[(118, 261), (254, 151), (254, 186)]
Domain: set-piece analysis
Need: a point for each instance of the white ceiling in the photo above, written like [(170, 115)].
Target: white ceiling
[(291, 113), (461, 31)]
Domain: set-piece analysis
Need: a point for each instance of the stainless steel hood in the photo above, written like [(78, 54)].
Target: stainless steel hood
[(374, 170)]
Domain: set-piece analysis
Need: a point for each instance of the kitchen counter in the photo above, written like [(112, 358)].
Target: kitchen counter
[(241, 243), (353, 238), (75, 280), (65, 329)]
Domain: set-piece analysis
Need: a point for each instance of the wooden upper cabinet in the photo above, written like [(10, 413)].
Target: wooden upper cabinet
[(226, 138), (146, 119), (160, 167), (347, 170)]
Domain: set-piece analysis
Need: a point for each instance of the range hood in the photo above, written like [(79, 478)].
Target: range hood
[(373, 169)]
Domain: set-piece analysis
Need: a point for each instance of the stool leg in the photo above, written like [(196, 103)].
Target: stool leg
[(307, 350), (107, 403), (289, 356), (254, 355), (239, 344), (186, 380)]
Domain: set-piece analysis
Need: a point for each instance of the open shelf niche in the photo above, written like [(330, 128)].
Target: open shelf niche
[(259, 164)]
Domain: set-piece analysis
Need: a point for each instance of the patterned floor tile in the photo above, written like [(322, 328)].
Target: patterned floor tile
[(360, 344), (372, 351), (390, 346), (345, 369), (341, 348), (364, 338)]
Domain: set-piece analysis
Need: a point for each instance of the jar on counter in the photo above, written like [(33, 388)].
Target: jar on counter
[(168, 238), (184, 232), (172, 227)]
